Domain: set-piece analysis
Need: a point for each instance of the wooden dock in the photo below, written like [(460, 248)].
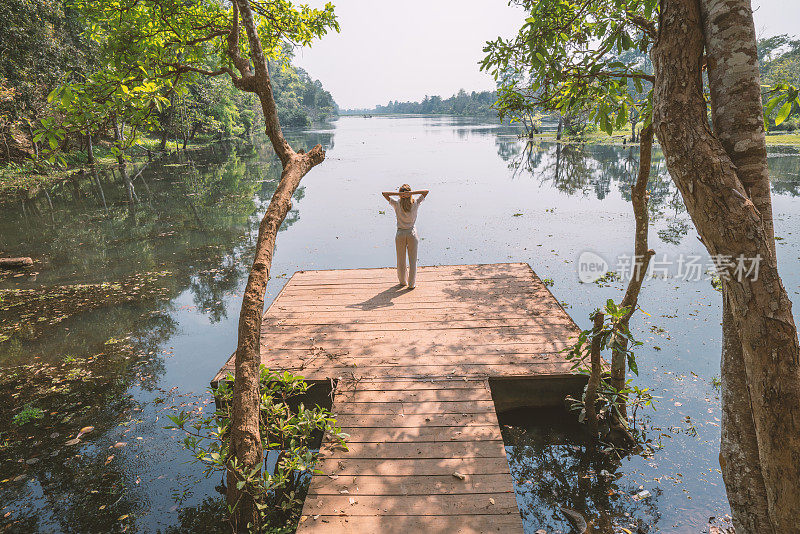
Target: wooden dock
[(413, 371)]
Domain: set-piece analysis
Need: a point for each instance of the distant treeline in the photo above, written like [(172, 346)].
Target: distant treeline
[(474, 104)]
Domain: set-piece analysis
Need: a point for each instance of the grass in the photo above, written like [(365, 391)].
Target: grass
[(16, 178), (597, 137), (788, 139)]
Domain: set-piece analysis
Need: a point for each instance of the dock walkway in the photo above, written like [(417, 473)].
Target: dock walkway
[(413, 371)]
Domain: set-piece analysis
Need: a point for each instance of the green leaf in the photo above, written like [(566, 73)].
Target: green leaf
[(774, 101), (632, 364), (622, 117), (783, 113)]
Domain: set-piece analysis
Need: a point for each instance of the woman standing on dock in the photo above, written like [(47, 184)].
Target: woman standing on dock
[(406, 239)]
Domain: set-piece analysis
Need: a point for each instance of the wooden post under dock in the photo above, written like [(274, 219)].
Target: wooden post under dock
[(413, 370)]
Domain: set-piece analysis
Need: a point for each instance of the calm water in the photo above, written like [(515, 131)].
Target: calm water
[(174, 243)]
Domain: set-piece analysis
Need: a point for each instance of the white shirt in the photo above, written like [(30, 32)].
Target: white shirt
[(406, 219)]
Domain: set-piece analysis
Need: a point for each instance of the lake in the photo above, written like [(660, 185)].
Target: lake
[(135, 300)]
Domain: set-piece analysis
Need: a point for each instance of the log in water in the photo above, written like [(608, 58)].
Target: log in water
[(15, 263)]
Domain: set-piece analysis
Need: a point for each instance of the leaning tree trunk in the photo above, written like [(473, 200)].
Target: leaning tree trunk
[(245, 442), (731, 226), (736, 111), (641, 258)]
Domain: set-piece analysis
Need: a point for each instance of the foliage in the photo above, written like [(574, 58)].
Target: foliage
[(40, 41), (300, 100), (575, 57), (779, 60), (28, 414), (462, 103), (614, 336), (152, 72), (288, 431), (785, 99), (98, 99)]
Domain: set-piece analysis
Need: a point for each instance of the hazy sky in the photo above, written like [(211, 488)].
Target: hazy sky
[(405, 50)]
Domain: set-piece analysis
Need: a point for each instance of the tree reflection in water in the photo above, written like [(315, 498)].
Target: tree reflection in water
[(127, 242), (552, 468)]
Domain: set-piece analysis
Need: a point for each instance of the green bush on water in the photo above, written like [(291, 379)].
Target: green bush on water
[(28, 414), (291, 430)]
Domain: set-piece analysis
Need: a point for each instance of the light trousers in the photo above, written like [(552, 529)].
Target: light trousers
[(406, 242)]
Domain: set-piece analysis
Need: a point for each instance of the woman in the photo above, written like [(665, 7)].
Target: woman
[(406, 239)]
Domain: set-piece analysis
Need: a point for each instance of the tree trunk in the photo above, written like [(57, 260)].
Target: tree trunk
[(736, 111), (34, 144), (119, 140), (731, 226), (168, 117), (560, 126), (738, 449), (641, 258), (89, 148), (245, 444), (590, 397)]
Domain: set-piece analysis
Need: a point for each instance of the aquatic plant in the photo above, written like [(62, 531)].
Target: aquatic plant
[(601, 405), (291, 433), (28, 414)]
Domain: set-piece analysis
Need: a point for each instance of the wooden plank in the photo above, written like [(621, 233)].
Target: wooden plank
[(414, 466), (422, 395), (455, 271), (437, 449), (324, 373), (487, 269), (434, 350), (441, 433), (429, 524), (407, 408), (434, 383), (390, 317), (453, 337), (539, 351), (412, 505), (412, 308), (409, 485), (530, 325), (367, 302), (443, 287), (315, 360), (417, 421), (374, 283)]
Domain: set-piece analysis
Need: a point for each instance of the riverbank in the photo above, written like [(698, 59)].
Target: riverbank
[(25, 179), (623, 138)]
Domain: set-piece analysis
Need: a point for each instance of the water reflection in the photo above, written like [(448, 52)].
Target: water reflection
[(87, 334), (553, 469), (592, 170), (143, 269)]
